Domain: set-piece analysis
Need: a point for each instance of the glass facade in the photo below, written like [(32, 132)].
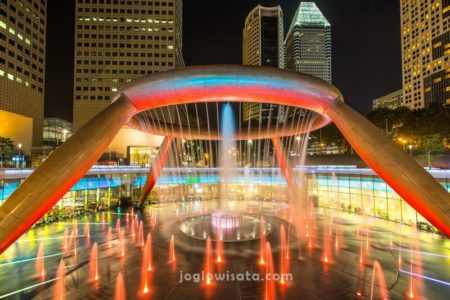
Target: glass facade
[(358, 191)]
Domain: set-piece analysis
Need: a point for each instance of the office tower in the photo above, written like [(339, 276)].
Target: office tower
[(392, 100), (117, 41), (262, 45), (308, 42), (425, 27), (22, 62)]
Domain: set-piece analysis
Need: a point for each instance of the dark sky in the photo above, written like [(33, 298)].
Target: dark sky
[(365, 44)]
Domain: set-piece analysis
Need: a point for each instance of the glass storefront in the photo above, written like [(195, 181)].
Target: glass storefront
[(357, 191)]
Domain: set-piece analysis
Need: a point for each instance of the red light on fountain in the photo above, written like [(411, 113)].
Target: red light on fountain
[(93, 264), (262, 242), (149, 250), (381, 281), (40, 267), (133, 227), (219, 248), (172, 250), (326, 245), (144, 270), (75, 227), (140, 237), (65, 240), (120, 288), (60, 284), (118, 226), (284, 255), (109, 238), (87, 234), (208, 262), (361, 253), (121, 244), (269, 288)]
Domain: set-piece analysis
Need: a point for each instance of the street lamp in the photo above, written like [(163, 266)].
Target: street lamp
[(18, 159), (410, 147)]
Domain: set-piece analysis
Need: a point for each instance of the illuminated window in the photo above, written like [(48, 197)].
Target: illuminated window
[(10, 77), (2, 25)]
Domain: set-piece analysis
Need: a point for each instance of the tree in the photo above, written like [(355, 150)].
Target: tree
[(390, 120), (7, 149), (432, 146), (330, 136)]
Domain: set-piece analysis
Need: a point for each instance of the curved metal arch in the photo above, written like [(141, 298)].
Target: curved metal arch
[(60, 171)]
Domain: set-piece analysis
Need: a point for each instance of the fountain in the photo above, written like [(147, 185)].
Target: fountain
[(381, 282), (172, 259), (262, 243), (109, 238), (145, 270), (269, 283), (219, 248), (65, 240), (60, 284), (93, 264), (120, 293), (208, 269), (149, 249), (40, 268), (87, 234), (223, 217), (140, 237), (283, 256)]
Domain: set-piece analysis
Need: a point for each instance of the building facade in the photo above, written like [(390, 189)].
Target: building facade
[(262, 45), (308, 42), (56, 132), (425, 29), (22, 61), (117, 41), (391, 100)]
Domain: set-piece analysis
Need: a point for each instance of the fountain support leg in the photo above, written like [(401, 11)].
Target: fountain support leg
[(415, 185), (60, 171), (155, 169), (284, 163)]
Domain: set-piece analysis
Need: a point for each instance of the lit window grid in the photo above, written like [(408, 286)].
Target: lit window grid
[(420, 23), (96, 78)]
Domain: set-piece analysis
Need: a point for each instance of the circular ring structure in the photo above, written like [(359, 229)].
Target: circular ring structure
[(231, 84)]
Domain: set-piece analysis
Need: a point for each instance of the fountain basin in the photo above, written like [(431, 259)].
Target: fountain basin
[(219, 225)]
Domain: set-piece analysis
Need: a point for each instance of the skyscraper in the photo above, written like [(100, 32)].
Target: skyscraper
[(263, 46), (425, 27), (117, 41), (22, 61), (308, 42)]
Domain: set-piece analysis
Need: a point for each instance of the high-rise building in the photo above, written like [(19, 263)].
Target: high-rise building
[(392, 100), (22, 62), (117, 41), (262, 45), (425, 29), (308, 42)]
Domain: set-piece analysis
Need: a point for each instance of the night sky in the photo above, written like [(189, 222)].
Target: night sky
[(365, 44)]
